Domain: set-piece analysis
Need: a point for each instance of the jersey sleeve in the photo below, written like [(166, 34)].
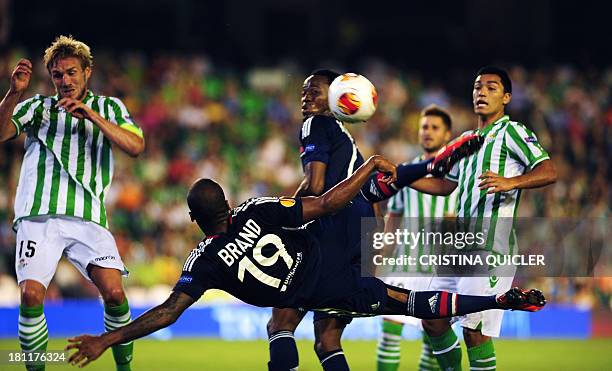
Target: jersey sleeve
[(119, 115), (281, 211), (196, 277), (316, 143), (453, 174), (523, 145), (23, 114), (396, 203)]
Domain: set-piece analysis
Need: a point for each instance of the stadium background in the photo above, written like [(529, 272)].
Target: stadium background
[(215, 87)]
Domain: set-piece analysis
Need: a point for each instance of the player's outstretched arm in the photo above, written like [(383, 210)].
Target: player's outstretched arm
[(90, 348), (336, 198), (20, 79), (413, 174)]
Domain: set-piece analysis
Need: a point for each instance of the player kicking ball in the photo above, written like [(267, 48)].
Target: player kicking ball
[(258, 253)]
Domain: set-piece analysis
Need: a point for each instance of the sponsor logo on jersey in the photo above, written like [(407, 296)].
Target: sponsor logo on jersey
[(185, 279), (287, 202), (432, 303), (530, 139)]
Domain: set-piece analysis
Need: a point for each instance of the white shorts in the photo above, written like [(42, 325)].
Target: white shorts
[(418, 283), (491, 319), (41, 242)]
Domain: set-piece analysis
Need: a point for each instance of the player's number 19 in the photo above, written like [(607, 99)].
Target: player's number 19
[(247, 264)]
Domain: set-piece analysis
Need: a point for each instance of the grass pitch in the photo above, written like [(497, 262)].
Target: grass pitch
[(212, 354)]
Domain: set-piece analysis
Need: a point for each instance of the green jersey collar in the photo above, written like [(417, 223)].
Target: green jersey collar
[(487, 129), (88, 95)]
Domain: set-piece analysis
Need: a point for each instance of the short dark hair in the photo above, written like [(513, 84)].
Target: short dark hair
[(503, 76), (329, 74), (435, 110), (206, 201)]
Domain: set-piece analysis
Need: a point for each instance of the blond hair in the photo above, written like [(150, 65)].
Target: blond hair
[(67, 46)]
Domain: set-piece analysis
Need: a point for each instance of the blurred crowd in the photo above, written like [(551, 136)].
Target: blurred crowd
[(241, 128)]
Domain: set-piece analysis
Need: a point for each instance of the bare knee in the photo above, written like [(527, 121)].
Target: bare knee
[(283, 319), (327, 342), (328, 333), (435, 327), (474, 337), (113, 296), (32, 293)]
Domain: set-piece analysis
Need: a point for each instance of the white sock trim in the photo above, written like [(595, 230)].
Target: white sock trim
[(455, 345), (332, 355)]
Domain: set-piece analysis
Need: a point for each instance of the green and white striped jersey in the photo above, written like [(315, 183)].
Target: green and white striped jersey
[(68, 164), (419, 212), (411, 203), (509, 149)]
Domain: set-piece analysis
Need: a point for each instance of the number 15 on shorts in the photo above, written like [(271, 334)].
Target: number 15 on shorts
[(26, 249)]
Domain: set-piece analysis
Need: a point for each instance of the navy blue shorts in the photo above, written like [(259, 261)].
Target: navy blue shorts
[(340, 246), (367, 297)]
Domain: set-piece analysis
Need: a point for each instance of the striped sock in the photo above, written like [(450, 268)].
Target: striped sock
[(389, 346), (482, 357), (33, 333), (447, 350), (442, 304), (283, 351), (334, 361), (114, 318), (428, 361)]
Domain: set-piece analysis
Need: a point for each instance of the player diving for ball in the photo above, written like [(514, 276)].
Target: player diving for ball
[(258, 253)]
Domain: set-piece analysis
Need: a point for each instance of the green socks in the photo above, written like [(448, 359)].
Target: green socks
[(114, 318), (447, 350), (428, 361), (33, 333), (482, 357), (389, 346)]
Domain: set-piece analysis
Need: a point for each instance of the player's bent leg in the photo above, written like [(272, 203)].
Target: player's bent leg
[(481, 351), (33, 332), (444, 342), (388, 350), (116, 310), (328, 332), (283, 350), (32, 293)]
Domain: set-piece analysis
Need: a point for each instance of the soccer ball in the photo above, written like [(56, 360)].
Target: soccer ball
[(352, 98)]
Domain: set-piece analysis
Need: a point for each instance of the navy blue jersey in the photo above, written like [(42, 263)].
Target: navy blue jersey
[(325, 139), (263, 259)]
